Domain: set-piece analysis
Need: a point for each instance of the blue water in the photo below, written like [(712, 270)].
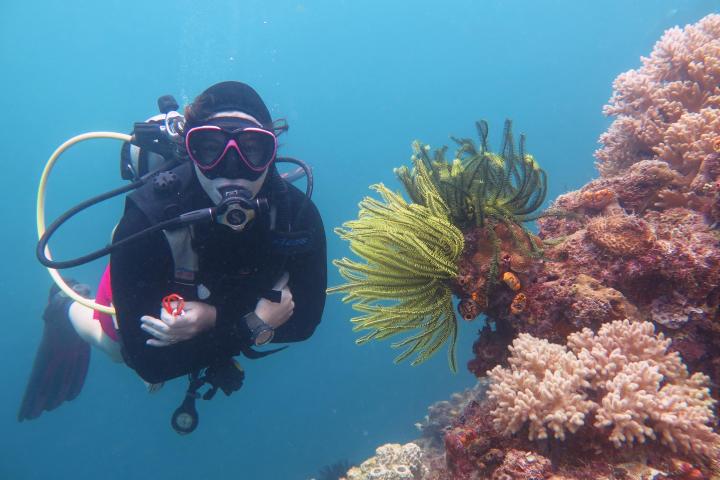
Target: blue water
[(357, 82)]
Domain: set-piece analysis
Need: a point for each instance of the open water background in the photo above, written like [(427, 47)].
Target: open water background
[(357, 82)]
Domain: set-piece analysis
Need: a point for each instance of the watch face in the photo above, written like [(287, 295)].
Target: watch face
[(264, 337)]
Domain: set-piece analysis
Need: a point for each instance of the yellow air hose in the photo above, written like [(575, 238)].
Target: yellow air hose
[(41, 213)]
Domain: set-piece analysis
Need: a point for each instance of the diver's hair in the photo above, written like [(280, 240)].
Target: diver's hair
[(199, 110), (203, 107), (280, 126)]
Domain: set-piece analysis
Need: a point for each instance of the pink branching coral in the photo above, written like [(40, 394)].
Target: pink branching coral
[(544, 386), (624, 375), (668, 109), (621, 343)]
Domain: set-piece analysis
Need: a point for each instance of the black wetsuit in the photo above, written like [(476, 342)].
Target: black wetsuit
[(236, 268)]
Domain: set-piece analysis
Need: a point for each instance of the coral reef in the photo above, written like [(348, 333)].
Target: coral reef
[(620, 387), (621, 235), (643, 257), (603, 328), (624, 374), (491, 254), (490, 348), (391, 462)]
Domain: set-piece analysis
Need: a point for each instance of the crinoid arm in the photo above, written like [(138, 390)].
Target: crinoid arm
[(410, 253)]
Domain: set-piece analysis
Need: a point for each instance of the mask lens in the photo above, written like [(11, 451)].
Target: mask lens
[(258, 148), (206, 145)]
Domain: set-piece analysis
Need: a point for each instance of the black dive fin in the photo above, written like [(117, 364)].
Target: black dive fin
[(61, 361)]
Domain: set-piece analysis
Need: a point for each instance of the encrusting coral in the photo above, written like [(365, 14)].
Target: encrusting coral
[(624, 374), (621, 235), (391, 462)]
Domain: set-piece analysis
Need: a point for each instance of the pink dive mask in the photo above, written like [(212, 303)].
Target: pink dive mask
[(208, 145)]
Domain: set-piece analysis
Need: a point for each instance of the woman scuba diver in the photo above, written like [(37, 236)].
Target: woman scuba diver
[(189, 296)]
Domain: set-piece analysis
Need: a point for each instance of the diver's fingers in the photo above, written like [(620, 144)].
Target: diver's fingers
[(154, 323), (155, 333), (282, 282), (157, 343)]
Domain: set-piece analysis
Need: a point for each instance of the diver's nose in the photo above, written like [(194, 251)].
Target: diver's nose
[(233, 166)]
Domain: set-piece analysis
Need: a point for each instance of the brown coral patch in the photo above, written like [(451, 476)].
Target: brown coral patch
[(490, 349), (520, 263), (621, 235), (488, 261), (519, 464), (470, 308), (638, 187), (597, 199), (594, 303)]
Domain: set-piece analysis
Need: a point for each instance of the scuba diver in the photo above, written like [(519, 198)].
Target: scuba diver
[(213, 257)]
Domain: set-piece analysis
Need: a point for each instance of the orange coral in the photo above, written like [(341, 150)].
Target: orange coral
[(519, 302), (716, 144), (512, 281), (622, 235), (480, 299), (597, 199), (685, 471)]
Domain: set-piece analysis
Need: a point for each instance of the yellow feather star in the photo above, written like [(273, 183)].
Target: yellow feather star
[(411, 252)]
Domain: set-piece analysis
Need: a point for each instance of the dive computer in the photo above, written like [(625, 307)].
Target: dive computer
[(260, 332)]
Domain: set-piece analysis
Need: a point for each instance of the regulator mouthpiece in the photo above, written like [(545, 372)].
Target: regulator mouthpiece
[(238, 209)]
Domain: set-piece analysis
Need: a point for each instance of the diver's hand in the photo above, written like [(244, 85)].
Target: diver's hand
[(276, 314), (168, 329)]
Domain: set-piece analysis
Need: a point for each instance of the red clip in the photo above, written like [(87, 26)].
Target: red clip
[(167, 304)]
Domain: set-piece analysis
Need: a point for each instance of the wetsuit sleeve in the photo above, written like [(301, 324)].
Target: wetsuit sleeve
[(308, 283), (141, 274)]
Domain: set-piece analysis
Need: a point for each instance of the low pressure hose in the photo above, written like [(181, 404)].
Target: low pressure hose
[(40, 213)]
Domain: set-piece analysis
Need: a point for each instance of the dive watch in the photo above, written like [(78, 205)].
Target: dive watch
[(260, 332)]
